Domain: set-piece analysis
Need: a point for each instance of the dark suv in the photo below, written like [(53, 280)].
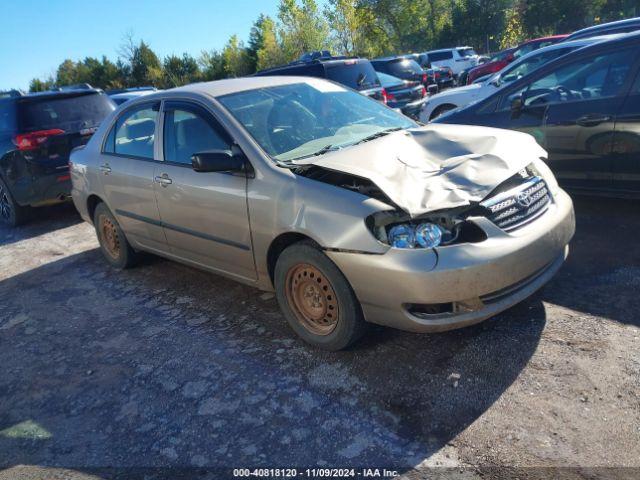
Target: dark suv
[(37, 133), (353, 72)]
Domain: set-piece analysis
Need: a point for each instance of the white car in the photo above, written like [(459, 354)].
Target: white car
[(463, 96), (457, 59)]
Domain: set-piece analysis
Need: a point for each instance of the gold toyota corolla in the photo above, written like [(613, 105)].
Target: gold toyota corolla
[(350, 211)]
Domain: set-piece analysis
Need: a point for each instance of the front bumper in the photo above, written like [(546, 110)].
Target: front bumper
[(479, 280)]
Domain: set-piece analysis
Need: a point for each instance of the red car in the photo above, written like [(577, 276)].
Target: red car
[(505, 57)]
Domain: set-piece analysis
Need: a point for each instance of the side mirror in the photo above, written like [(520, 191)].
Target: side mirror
[(217, 161), (517, 104)]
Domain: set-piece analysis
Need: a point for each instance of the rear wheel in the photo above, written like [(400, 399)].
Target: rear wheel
[(11, 213), (316, 298), (113, 243)]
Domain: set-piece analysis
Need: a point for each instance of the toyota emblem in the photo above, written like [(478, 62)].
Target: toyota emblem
[(523, 199)]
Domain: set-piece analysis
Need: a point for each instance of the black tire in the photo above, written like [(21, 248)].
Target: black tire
[(113, 243), (440, 110), (333, 294), (11, 213)]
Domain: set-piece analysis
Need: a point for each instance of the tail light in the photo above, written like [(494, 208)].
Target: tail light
[(385, 96), (390, 97), (424, 78), (32, 140), (424, 92), (436, 75)]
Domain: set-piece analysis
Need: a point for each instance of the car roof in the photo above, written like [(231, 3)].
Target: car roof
[(605, 26), (542, 39), (446, 49), (580, 42), (219, 88), (390, 58)]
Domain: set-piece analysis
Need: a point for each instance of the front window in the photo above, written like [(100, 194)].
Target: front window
[(528, 65), (294, 121), (586, 79)]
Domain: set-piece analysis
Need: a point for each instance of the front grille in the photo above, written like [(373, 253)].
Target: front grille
[(518, 206)]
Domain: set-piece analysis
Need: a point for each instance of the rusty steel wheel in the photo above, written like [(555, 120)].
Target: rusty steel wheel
[(312, 299), (110, 239)]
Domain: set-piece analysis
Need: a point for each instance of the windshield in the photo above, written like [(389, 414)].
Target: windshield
[(466, 52), (528, 64), (358, 75), (303, 119)]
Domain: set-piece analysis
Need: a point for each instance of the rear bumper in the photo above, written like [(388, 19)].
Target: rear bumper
[(43, 189), (470, 282)]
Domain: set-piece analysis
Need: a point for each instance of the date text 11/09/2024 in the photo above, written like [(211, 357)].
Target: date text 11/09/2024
[(315, 472)]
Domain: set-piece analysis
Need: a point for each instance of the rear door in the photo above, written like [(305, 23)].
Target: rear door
[(626, 143), (204, 215), (127, 171)]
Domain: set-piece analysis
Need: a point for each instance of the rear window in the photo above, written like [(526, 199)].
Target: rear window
[(357, 75), (438, 56), (404, 66), (64, 112), (7, 116), (466, 52)]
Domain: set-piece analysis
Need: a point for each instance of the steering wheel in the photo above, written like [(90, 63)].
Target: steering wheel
[(563, 92), (290, 124)]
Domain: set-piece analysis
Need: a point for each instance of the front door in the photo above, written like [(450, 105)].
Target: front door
[(626, 144), (579, 124), (204, 215), (127, 169)]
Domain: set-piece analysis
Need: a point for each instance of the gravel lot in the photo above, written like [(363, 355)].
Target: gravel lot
[(164, 365)]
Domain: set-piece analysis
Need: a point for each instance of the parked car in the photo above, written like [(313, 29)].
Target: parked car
[(37, 133), (130, 93), (404, 67), (531, 45), (334, 201), (353, 72), (583, 108), (442, 76), (495, 64), (457, 59), (621, 26), (463, 96), (403, 95)]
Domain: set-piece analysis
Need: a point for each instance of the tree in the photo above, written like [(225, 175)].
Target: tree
[(180, 70), (343, 17), (211, 65), (145, 66), (37, 85), (513, 32), (271, 53), (237, 62), (302, 28)]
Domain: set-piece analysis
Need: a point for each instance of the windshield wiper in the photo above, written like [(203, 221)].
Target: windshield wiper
[(322, 151), (378, 134)]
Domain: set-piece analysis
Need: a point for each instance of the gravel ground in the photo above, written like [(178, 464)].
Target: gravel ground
[(164, 365)]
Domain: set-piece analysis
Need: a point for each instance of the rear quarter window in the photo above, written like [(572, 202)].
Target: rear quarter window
[(439, 56)]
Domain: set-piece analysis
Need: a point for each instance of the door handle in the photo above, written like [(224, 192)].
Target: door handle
[(105, 168), (592, 120), (163, 180)]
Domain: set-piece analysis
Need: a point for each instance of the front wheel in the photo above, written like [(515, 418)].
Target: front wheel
[(316, 298)]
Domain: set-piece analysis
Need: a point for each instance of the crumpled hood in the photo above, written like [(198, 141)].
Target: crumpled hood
[(437, 166)]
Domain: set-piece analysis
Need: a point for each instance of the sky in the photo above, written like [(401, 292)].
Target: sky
[(37, 35)]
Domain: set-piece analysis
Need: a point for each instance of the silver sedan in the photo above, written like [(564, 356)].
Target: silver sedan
[(350, 211)]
